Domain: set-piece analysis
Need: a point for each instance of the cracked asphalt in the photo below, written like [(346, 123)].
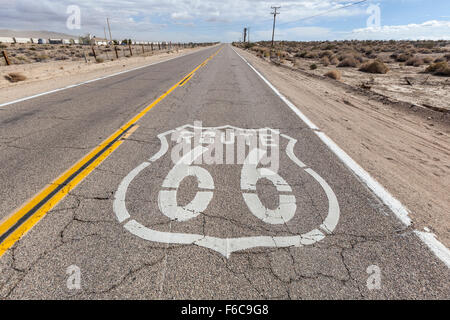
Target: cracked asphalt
[(43, 137)]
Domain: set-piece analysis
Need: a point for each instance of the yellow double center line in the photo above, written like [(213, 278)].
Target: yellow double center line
[(20, 222)]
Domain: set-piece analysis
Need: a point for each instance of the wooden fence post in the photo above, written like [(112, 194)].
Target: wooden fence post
[(5, 55), (129, 46), (106, 51), (93, 51), (117, 54)]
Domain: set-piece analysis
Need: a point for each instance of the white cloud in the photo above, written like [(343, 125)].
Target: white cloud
[(433, 30), (429, 30), (211, 20), (298, 33), (181, 16), (151, 19)]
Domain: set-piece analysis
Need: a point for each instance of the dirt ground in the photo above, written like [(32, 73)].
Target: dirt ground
[(406, 149), (46, 76), (407, 62), (423, 89)]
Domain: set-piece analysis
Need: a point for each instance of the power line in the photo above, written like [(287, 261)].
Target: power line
[(325, 12)]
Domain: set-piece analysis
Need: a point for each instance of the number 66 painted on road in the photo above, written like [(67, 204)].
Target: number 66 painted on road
[(250, 175), (167, 199)]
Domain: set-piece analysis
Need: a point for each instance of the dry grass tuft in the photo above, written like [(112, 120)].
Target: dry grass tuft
[(334, 60), (325, 60), (375, 66), (427, 60), (333, 74), (403, 57), (15, 77), (349, 62), (440, 59), (439, 69), (415, 61)]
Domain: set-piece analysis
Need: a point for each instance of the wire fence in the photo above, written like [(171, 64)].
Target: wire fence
[(24, 53)]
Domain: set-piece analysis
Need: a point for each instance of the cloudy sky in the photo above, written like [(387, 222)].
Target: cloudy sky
[(223, 20)]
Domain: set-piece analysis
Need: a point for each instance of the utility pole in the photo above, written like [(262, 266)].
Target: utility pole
[(274, 19), (110, 38), (245, 34), (104, 31), (109, 28), (248, 34)]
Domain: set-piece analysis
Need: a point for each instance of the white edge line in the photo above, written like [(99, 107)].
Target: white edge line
[(441, 251), (96, 79), (400, 211)]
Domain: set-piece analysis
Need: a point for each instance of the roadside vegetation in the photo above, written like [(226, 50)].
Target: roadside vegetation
[(15, 77), (19, 53), (411, 71)]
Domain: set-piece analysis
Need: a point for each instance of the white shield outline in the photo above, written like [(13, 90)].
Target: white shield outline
[(225, 246)]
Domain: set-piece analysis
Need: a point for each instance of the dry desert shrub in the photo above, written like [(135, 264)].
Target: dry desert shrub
[(326, 53), (333, 74), (312, 55), (440, 59), (375, 66), (22, 58), (15, 77), (334, 60), (436, 66), (325, 60), (61, 57), (403, 57), (425, 51), (41, 57), (439, 69), (349, 62), (427, 60), (415, 61), (372, 55), (300, 54)]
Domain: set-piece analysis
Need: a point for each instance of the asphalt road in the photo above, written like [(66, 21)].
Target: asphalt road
[(146, 225)]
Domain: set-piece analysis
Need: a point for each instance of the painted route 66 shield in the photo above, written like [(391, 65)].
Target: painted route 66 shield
[(226, 189)]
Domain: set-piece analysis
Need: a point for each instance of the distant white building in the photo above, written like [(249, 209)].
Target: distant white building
[(6, 40), (99, 41), (22, 40)]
